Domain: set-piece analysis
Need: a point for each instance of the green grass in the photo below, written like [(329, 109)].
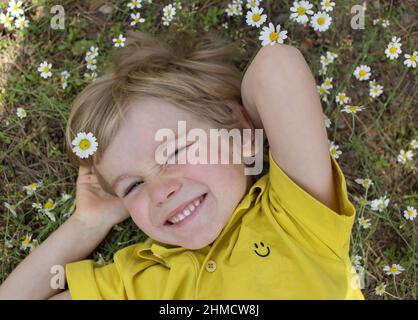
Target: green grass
[(31, 149)]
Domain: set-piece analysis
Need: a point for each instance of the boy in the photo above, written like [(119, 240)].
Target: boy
[(214, 233)]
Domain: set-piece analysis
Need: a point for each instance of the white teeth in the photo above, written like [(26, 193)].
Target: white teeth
[(186, 212)]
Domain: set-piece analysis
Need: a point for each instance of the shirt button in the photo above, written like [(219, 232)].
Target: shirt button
[(211, 266)]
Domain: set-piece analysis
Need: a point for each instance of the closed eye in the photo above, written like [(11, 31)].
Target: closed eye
[(131, 187)]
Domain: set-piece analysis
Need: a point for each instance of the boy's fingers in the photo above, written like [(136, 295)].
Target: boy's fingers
[(83, 170)]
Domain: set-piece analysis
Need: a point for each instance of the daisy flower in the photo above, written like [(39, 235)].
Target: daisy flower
[(45, 69), (327, 83), (84, 144), (31, 188), (410, 213), (333, 149), (356, 261), (231, 10), (395, 269), (90, 76), (21, 23), (328, 58), (321, 21), (26, 243), (15, 9), (21, 113), (49, 205), (379, 204), (375, 89), (394, 48), (255, 17), (361, 201), (252, 4), (37, 205), (327, 121), (270, 35), (119, 41), (365, 223), (301, 10), (134, 4), (327, 5), (366, 183), (362, 72), (93, 52), (352, 109), (91, 62), (136, 18), (168, 14), (63, 79), (323, 92), (403, 156), (6, 20), (342, 98), (411, 60), (413, 144), (380, 289)]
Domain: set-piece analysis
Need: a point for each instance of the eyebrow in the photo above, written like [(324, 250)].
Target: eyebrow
[(122, 177)]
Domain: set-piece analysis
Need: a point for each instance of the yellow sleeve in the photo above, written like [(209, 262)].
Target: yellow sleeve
[(88, 280), (306, 219)]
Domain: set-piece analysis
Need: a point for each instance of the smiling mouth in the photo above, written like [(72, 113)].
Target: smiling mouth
[(188, 212)]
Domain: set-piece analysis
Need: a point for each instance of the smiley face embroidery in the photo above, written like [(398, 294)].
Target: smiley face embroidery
[(265, 251)]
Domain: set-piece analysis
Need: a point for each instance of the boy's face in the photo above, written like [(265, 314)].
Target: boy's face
[(151, 203)]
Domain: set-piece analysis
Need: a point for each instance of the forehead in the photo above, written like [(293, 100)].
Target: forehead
[(134, 141)]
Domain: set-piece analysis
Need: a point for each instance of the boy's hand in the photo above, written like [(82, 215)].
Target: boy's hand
[(95, 207)]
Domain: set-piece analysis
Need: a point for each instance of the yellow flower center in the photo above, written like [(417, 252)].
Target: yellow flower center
[(362, 73), (274, 36), (393, 269), (118, 40), (352, 108), (380, 205), (392, 50), (84, 144), (333, 151), (49, 205), (256, 17), (7, 20), (321, 21), (32, 186), (169, 11), (327, 4), (409, 213), (413, 58), (46, 69), (301, 11), (26, 240), (15, 8)]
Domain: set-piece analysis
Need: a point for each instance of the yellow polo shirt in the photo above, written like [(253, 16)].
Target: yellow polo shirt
[(280, 243)]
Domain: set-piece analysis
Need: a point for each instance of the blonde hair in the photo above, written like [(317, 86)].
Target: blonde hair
[(195, 72)]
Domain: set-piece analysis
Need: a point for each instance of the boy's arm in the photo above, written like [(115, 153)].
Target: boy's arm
[(279, 90), (72, 241)]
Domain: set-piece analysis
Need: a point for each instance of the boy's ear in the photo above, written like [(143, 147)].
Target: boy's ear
[(249, 148)]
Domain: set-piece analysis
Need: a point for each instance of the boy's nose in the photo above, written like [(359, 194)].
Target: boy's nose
[(163, 189)]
